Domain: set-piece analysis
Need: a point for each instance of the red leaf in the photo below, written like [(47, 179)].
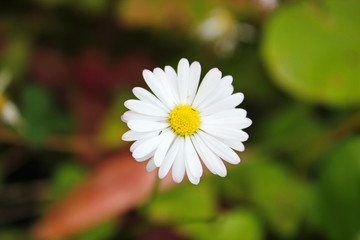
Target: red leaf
[(116, 186), (91, 70)]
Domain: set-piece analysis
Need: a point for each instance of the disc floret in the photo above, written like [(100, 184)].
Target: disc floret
[(184, 120)]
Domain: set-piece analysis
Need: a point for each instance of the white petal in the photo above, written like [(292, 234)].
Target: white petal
[(133, 136), (136, 144), (227, 113), (130, 115), (192, 179), (146, 126), (167, 88), (10, 114), (246, 123), (146, 157), (155, 85), (210, 82), (219, 148), (178, 169), (183, 79), (225, 132), (211, 161), (234, 144), (140, 141), (229, 102), (168, 137), (145, 96), (194, 79), (229, 91), (192, 161), (228, 78), (226, 120), (145, 108), (169, 159), (173, 78), (217, 93), (236, 123), (146, 147), (150, 165)]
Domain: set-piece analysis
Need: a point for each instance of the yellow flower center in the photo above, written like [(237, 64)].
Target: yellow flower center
[(2, 101), (184, 120)]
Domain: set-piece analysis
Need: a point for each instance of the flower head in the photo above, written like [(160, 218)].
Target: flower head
[(183, 122), (9, 113)]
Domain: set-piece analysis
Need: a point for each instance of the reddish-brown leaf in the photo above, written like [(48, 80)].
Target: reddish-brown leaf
[(116, 186)]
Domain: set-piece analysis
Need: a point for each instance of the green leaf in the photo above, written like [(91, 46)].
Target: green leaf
[(91, 6), (162, 13), (15, 55), (283, 132), (281, 199), (240, 224), (339, 191), (250, 77), (278, 196), (103, 231), (36, 108), (312, 50), (41, 115), (13, 234), (112, 128), (235, 224), (65, 177), (185, 203), (48, 3)]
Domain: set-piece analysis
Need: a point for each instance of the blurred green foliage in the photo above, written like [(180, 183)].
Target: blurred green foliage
[(42, 116), (110, 129), (13, 234), (185, 203), (15, 56), (240, 223), (312, 49), (66, 176), (297, 62), (279, 197), (102, 231), (89, 6), (338, 191)]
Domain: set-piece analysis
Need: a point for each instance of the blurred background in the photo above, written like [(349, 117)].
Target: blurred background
[(66, 67)]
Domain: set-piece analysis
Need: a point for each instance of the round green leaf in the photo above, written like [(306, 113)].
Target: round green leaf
[(312, 50), (278, 197), (186, 203), (240, 224), (339, 191)]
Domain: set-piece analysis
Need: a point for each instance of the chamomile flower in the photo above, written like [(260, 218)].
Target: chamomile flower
[(9, 113), (184, 122), (222, 30)]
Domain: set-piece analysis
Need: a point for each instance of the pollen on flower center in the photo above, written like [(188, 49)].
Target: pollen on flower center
[(184, 120)]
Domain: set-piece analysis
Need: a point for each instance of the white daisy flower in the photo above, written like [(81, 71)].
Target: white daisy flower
[(184, 122), (9, 113)]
